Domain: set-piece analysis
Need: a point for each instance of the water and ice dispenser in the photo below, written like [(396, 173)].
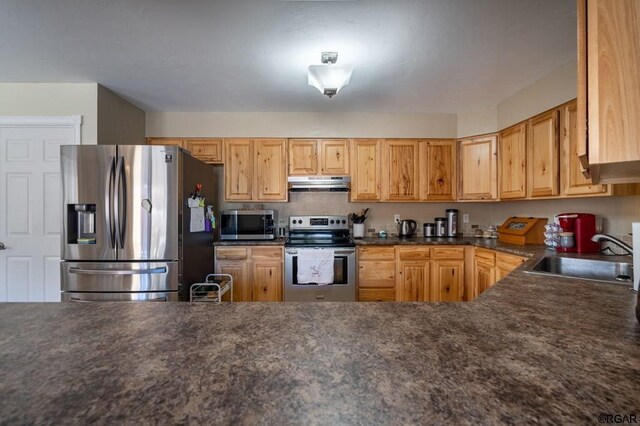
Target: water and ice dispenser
[(81, 227)]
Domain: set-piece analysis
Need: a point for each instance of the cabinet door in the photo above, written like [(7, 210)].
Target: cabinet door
[(376, 274), (207, 150), (271, 170), (238, 169), (412, 281), (573, 180), (334, 157), (400, 165), (613, 85), (447, 280), (303, 157), (239, 271), (412, 273), (266, 277), (513, 162), (544, 156), (479, 168), (485, 276), (165, 141), (365, 170), (505, 263), (437, 178)]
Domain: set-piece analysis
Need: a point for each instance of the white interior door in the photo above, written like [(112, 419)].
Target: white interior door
[(31, 207)]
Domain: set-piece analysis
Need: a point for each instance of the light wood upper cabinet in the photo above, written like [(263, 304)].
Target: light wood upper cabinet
[(166, 141), (512, 148), (573, 180), (478, 176), (271, 170), (365, 170), (543, 171), (238, 169), (609, 87), (207, 150), (255, 169), (303, 157), (334, 157), (309, 157), (400, 177), (438, 170)]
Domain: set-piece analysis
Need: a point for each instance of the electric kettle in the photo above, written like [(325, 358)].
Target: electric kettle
[(407, 228)]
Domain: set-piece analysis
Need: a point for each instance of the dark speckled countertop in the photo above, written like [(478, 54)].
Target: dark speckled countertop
[(528, 350)]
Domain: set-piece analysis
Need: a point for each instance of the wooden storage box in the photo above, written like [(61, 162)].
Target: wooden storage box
[(522, 230)]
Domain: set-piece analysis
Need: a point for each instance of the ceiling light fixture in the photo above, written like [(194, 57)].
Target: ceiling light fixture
[(329, 78)]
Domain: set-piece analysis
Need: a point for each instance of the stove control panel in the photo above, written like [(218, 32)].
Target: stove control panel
[(318, 222)]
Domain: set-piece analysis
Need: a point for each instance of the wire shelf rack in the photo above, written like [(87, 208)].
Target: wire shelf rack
[(212, 289)]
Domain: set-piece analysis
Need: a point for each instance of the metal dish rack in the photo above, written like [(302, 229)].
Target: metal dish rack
[(212, 289)]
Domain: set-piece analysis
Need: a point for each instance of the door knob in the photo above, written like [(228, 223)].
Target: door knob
[(2, 247)]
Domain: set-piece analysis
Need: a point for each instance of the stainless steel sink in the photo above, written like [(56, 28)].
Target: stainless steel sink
[(613, 271)]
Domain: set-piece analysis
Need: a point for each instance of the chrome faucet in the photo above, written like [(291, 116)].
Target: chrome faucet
[(604, 237)]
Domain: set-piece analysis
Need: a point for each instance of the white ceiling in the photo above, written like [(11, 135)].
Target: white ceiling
[(251, 55)]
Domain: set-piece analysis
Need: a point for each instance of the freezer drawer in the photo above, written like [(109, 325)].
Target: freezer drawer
[(121, 297), (119, 277)]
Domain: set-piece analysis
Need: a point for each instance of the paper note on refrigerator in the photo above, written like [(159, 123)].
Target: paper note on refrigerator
[(197, 215)]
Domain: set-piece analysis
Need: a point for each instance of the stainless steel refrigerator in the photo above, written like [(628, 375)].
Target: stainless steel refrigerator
[(126, 223)]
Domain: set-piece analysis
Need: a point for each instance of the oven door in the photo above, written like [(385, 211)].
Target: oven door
[(343, 288)]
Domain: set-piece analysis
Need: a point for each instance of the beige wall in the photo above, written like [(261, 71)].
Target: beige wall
[(119, 121), (293, 124), (551, 90), (54, 99), (478, 121)]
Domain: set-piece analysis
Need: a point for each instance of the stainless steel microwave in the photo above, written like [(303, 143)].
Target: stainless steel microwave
[(248, 224)]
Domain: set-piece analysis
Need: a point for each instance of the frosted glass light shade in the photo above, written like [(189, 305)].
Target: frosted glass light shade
[(329, 78)]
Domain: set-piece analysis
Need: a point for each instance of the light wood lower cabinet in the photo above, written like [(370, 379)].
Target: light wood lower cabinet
[(505, 263), (257, 272), (376, 274), (484, 271), (412, 274), (447, 274)]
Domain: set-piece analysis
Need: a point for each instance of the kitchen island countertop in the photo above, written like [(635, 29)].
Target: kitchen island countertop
[(530, 349)]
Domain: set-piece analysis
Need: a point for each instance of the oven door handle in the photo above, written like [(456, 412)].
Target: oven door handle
[(347, 251)]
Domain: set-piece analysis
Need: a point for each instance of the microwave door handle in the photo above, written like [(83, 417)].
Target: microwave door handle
[(108, 201)]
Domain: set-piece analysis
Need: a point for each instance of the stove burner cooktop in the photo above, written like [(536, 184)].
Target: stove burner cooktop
[(319, 231)]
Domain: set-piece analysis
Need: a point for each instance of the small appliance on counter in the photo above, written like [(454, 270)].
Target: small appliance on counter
[(248, 224), (407, 228), (522, 230), (576, 232)]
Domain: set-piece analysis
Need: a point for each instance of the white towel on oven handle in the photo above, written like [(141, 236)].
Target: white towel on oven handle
[(315, 266)]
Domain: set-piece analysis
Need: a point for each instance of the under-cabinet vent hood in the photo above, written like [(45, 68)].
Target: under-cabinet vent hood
[(319, 183)]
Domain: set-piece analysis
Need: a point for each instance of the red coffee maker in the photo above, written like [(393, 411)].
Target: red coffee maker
[(583, 227)]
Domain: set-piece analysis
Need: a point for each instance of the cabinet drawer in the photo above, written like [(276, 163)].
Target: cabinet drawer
[(231, 253), (448, 252), (509, 261), (377, 295), (413, 253), (487, 256), (376, 253), (376, 274), (272, 253)]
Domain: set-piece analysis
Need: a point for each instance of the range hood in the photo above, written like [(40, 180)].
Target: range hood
[(319, 183)]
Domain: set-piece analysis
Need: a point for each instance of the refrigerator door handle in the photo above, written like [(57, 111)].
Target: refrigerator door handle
[(108, 202), (116, 201), (91, 271)]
